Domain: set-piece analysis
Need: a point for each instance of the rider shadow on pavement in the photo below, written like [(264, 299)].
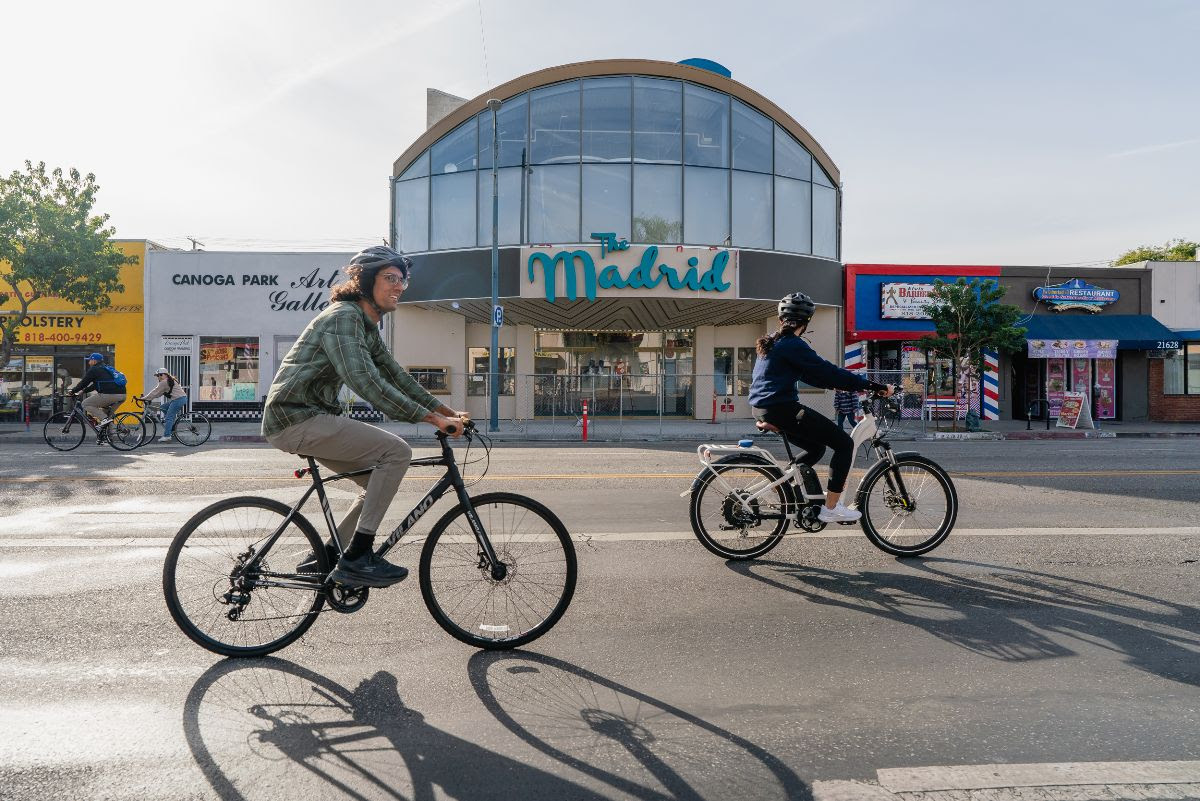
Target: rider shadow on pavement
[(1006, 613), (269, 727), (636, 745)]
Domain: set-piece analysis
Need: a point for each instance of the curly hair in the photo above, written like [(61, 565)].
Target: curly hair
[(359, 284)]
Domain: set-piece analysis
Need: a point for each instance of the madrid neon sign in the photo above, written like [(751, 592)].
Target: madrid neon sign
[(647, 274)]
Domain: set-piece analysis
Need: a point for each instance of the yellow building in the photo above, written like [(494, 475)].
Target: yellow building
[(53, 344)]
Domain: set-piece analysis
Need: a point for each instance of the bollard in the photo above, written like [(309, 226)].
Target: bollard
[(585, 416), (714, 417)]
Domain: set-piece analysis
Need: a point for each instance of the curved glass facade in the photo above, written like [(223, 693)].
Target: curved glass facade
[(656, 160)]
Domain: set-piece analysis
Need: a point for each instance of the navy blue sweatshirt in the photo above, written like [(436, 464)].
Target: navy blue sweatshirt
[(791, 360)]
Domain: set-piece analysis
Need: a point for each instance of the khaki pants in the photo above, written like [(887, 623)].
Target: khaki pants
[(342, 445), (94, 404)]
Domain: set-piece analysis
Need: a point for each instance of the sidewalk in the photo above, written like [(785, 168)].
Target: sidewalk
[(666, 430)]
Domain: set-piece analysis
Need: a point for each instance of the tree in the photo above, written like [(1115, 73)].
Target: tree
[(968, 319), (54, 246), (1173, 250)]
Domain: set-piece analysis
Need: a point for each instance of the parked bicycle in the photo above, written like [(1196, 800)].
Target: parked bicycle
[(191, 428), (65, 431), (496, 571), (743, 501)]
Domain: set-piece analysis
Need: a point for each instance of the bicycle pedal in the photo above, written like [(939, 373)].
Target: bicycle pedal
[(847, 522)]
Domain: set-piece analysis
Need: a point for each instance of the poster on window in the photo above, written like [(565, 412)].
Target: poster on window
[(1106, 389), (1081, 375), (228, 369), (1056, 384)]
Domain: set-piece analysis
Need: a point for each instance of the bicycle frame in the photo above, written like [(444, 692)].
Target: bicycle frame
[(451, 479)]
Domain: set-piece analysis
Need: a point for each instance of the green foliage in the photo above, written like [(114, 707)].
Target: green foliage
[(969, 318), (656, 230), (54, 245), (1173, 250)]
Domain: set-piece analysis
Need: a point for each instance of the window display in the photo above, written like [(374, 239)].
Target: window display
[(506, 365), (228, 369)]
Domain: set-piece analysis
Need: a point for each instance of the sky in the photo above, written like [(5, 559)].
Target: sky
[(1022, 132)]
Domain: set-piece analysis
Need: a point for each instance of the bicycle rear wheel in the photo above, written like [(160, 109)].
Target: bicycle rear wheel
[(480, 610), (192, 429), (910, 509), (234, 612), (126, 431), (722, 522), (151, 425), (64, 431)]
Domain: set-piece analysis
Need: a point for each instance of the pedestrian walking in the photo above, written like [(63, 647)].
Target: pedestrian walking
[(845, 403)]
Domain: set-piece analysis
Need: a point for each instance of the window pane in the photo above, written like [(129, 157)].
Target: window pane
[(1193, 368), (824, 202), (453, 210), (607, 115), (791, 159), (751, 139), (723, 371), (657, 204), (418, 169), (228, 369), (706, 127), (793, 212), (455, 151), (554, 203), (751, 209), (512, 121), (554, 118), (705, 206), (745, 369), (412, 215), (657, 120), (510, 206), (478, 362), (1173, 370), (606, 199), (819, 176)]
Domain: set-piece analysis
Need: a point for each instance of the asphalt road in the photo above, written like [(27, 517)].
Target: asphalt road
[(673, 675)]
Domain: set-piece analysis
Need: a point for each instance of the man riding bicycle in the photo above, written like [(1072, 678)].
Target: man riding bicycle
[(783, 359), (342, 346), (109, 394)]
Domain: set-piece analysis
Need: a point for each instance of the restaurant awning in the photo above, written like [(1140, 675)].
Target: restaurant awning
[(1132, 331)]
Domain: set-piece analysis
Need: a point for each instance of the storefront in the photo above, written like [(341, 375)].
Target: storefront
[(57, 336), (221, 322), (1091, 331), (650, 217)]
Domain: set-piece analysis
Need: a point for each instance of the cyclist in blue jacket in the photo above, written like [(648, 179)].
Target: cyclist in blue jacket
[(783, 359)]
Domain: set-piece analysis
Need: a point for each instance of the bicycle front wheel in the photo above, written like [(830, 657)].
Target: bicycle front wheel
[(64, 431), (192, 429), (233, 611), (734, 515), (474, 606), (126, 431), (907, 509)]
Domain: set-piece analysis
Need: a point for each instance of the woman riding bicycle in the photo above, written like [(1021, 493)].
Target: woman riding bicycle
[(783, 359), (173, 395)]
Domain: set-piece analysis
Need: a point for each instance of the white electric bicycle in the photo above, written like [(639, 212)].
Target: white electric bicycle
[(743, 500)]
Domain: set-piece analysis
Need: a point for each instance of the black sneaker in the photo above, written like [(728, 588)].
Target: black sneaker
[(309, 563), (367, 570)]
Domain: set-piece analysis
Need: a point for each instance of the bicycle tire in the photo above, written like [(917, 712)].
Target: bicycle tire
[(64, 431), (151, 427), (257, 518), (192, 429), (873, 504), (533, 559), (734, 543), (126, 432)]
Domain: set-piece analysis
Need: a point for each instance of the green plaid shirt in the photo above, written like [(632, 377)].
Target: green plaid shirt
[(341, 346)]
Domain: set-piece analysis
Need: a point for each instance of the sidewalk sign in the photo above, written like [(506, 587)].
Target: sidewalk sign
[(1074, 412)]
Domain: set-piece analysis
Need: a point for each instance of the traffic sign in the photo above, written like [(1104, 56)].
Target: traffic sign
[(497, 316)]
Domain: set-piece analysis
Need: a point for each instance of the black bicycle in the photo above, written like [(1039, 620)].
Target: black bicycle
[(65, 431), (496, 571), (191, 428)]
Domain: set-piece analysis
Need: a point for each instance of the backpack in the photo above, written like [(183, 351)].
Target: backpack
[(118, 377)]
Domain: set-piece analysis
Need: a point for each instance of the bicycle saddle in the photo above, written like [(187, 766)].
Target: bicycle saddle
[(762, 425)]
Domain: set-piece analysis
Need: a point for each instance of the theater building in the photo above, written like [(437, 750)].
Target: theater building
[(650, 216)]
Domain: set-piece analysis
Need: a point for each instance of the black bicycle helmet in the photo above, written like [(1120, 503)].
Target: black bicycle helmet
[(379, 256), (797, 307)]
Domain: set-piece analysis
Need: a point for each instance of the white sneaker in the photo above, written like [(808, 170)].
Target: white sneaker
[(165, 439), (838, 514)]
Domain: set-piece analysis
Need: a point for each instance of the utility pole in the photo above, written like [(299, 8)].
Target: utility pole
[(493, 372)]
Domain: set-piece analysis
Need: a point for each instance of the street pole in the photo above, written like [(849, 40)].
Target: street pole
[(493, 372)]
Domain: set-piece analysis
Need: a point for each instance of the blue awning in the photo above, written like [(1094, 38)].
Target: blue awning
[(1190, 335), (1132, 331)]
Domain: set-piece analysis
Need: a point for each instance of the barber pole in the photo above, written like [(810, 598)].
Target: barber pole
[(855, 357), (991, 385)]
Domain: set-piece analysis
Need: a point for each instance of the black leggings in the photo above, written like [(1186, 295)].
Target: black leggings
[(813, 432)]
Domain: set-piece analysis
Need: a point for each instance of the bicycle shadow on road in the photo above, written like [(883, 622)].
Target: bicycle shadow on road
[(1006, 613), (635, 744), (269, 727)]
